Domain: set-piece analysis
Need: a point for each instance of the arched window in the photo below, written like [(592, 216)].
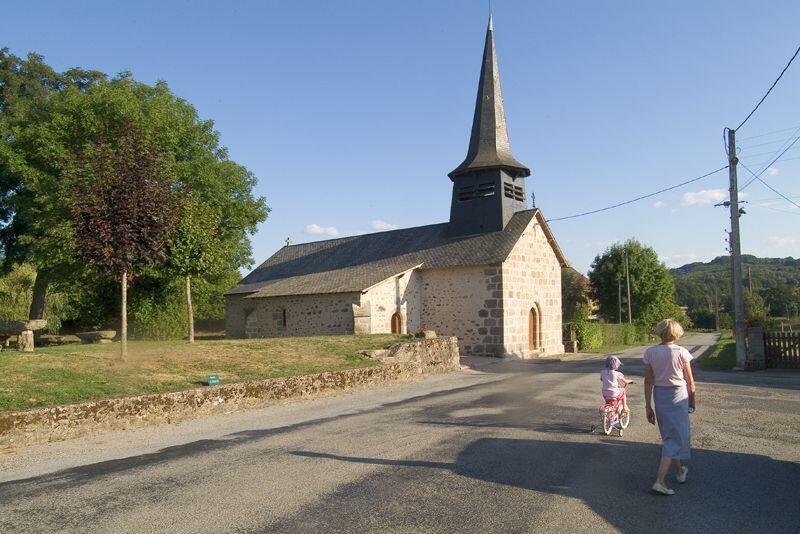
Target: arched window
[(397, 324), (534, 328)]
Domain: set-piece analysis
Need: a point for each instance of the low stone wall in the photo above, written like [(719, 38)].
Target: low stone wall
[(438, 355)]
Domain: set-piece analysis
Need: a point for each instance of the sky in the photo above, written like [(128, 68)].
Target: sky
[(351, 113)]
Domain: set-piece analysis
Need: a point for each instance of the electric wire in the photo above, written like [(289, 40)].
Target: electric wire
[(638, 198), (768, 133), (757, 177), (770, 89)]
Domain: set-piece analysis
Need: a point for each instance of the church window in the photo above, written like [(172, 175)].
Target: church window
[(534, 328)]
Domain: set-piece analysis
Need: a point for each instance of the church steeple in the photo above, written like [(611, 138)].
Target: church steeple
[(489, 185), (488, 143)]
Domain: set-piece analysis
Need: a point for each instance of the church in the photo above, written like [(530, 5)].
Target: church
[(491, 275)]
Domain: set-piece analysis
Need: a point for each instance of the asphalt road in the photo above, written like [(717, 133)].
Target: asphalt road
[(505, 448)]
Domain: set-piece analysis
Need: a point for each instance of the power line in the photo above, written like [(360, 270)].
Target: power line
[(757, 177), (639, 198), (770, 89), (783, 160), (769, 133)]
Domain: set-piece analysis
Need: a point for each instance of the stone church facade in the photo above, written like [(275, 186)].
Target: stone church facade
[(491, 275)]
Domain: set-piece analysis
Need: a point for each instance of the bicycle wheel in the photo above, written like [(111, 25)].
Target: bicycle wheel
[(624, 419), (608, 421)]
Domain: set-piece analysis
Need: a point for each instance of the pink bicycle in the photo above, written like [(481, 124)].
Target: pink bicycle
[(613, 416)]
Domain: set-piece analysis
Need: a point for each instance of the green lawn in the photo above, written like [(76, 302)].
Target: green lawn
[(723, 355), (73, 373)]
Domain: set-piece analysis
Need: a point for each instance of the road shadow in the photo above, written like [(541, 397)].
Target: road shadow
[(730, 492)]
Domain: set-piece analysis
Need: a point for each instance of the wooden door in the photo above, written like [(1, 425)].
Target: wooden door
[(397, 326), (533, 329)]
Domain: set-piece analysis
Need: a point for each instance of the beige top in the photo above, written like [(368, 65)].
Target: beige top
[(667, 362)]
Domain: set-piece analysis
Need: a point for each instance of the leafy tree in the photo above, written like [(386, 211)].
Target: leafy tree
[(70, 111), (196, 249), (124, 206), (575, 290), (27, 86), (652, 287)]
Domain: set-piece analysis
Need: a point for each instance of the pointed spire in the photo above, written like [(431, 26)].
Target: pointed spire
[(488, 143)]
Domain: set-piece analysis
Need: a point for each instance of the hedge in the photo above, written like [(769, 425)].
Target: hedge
[(592, 335)]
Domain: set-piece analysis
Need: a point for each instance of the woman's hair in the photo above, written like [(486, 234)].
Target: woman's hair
[(613, 363), (669, 330)]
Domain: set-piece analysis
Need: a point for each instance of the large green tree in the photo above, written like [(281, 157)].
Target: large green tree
[(652, 286), (27, 87), (38, 136)]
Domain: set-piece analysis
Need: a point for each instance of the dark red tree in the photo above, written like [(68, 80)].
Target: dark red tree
[(124, 204)]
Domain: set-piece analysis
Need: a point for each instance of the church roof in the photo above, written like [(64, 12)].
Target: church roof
[(353, 264), (488, 143)]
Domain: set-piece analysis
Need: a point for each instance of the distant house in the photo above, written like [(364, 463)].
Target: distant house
[(491, 275)]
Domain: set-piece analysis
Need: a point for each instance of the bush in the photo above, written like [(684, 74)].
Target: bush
[(590, 335)]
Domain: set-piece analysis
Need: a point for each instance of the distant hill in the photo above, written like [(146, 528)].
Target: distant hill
[(772, 278)]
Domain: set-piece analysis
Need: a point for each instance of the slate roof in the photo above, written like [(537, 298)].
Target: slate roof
[(353, 264), (488, 143)]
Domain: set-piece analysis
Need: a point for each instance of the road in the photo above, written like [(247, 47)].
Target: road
[(504, 448)]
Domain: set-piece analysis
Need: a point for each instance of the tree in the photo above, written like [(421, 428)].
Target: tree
[(755, 309), (66, 111), (652, 286), (27, 86), (124, 206), (196, 249), (575, 290)]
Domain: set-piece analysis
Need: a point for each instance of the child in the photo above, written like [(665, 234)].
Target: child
[(614, 382)]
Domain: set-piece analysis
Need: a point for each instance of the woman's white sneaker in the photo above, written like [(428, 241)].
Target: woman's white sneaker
[(658, 488), (681, 477)]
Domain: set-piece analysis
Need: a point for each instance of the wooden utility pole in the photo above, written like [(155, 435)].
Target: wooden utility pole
[(716, 307), (628, 283), (749, 279), (736, 254), (619, 299)]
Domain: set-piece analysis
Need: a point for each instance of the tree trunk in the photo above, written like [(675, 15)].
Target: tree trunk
[(123, 337), (39, 300), (189, 309)]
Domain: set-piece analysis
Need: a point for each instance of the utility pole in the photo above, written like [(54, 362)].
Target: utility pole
[(628, 283), (619, 299), (736, 254), (716, 308), (750, 280)]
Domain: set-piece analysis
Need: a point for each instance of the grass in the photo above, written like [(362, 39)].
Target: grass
[(74, 373), (722, 355)]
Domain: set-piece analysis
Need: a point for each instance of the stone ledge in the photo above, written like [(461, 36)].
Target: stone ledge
[(42, 425)]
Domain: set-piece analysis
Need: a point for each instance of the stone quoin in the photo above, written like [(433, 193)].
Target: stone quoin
[(491, 275)]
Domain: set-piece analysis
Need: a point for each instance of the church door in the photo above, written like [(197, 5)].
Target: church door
[(397, 325), (534, 326)]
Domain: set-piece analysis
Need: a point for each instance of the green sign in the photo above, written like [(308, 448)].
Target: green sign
[(212, 380)]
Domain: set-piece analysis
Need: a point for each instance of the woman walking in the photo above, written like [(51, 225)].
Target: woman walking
[(668, 382)]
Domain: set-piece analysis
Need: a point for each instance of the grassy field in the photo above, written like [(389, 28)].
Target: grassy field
[(73, 373), (723, 355)]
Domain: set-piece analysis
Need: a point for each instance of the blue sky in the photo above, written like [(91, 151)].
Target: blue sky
[(351, 114)]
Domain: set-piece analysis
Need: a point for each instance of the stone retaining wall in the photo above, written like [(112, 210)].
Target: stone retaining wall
[(437, 355)]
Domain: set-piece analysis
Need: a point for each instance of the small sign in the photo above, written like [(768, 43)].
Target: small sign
[(212, 380)]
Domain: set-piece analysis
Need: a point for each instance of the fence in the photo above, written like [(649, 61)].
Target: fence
[(782, 349)]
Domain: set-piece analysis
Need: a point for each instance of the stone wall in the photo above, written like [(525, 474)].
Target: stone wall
[(532, 279), (301, 315), (398, 294), (438, 355), (465, 302)]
